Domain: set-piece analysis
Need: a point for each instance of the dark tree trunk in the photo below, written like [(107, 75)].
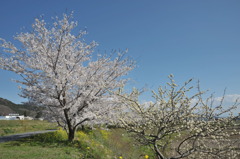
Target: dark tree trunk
[(71, 128), (71, 134)]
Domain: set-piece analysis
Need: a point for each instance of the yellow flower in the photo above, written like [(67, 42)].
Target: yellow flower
[(120, 157), (146, 156), (88, 148)]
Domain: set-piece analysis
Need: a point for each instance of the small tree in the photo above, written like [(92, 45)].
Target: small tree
[(25, 113), (179, 126), (60, 71)]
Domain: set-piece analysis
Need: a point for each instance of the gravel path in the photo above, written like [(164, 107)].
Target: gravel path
[(22, 135)]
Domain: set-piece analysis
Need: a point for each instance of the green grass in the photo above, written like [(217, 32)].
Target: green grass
[(8, 127), (92, 144), (17, 150)]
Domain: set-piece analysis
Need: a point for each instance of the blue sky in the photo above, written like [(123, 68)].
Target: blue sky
[(190, 39)]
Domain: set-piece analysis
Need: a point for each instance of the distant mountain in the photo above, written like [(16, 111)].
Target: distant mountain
[(8, 107)]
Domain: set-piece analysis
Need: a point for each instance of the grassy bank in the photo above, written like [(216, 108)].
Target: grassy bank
[(94, 144), (8, 127)]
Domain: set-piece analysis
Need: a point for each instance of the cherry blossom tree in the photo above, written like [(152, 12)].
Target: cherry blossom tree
[(62, 72), (179, 125)]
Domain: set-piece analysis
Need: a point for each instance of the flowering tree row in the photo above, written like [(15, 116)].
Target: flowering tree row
[(60, 71)]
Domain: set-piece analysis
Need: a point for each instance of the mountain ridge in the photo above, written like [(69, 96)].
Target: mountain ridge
[(27, 109)]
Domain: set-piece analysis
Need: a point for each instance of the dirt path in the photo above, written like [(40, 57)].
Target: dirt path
[(22, 135)]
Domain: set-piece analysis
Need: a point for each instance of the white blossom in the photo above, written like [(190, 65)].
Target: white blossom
[(177, 128), (60, 71)]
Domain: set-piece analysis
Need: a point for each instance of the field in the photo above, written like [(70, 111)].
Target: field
[(9, 127), (98, 143), (89, 144)]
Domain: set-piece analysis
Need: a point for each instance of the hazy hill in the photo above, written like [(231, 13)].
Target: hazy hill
[(8, 107)]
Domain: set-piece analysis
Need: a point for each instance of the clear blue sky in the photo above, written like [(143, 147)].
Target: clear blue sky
[(188, 38)]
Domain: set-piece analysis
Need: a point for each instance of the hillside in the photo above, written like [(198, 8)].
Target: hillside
[(8, 107)]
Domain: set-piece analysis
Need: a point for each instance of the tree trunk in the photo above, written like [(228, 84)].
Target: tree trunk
[(71, 128), (83, 127), (158, 153), (71, 134)]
